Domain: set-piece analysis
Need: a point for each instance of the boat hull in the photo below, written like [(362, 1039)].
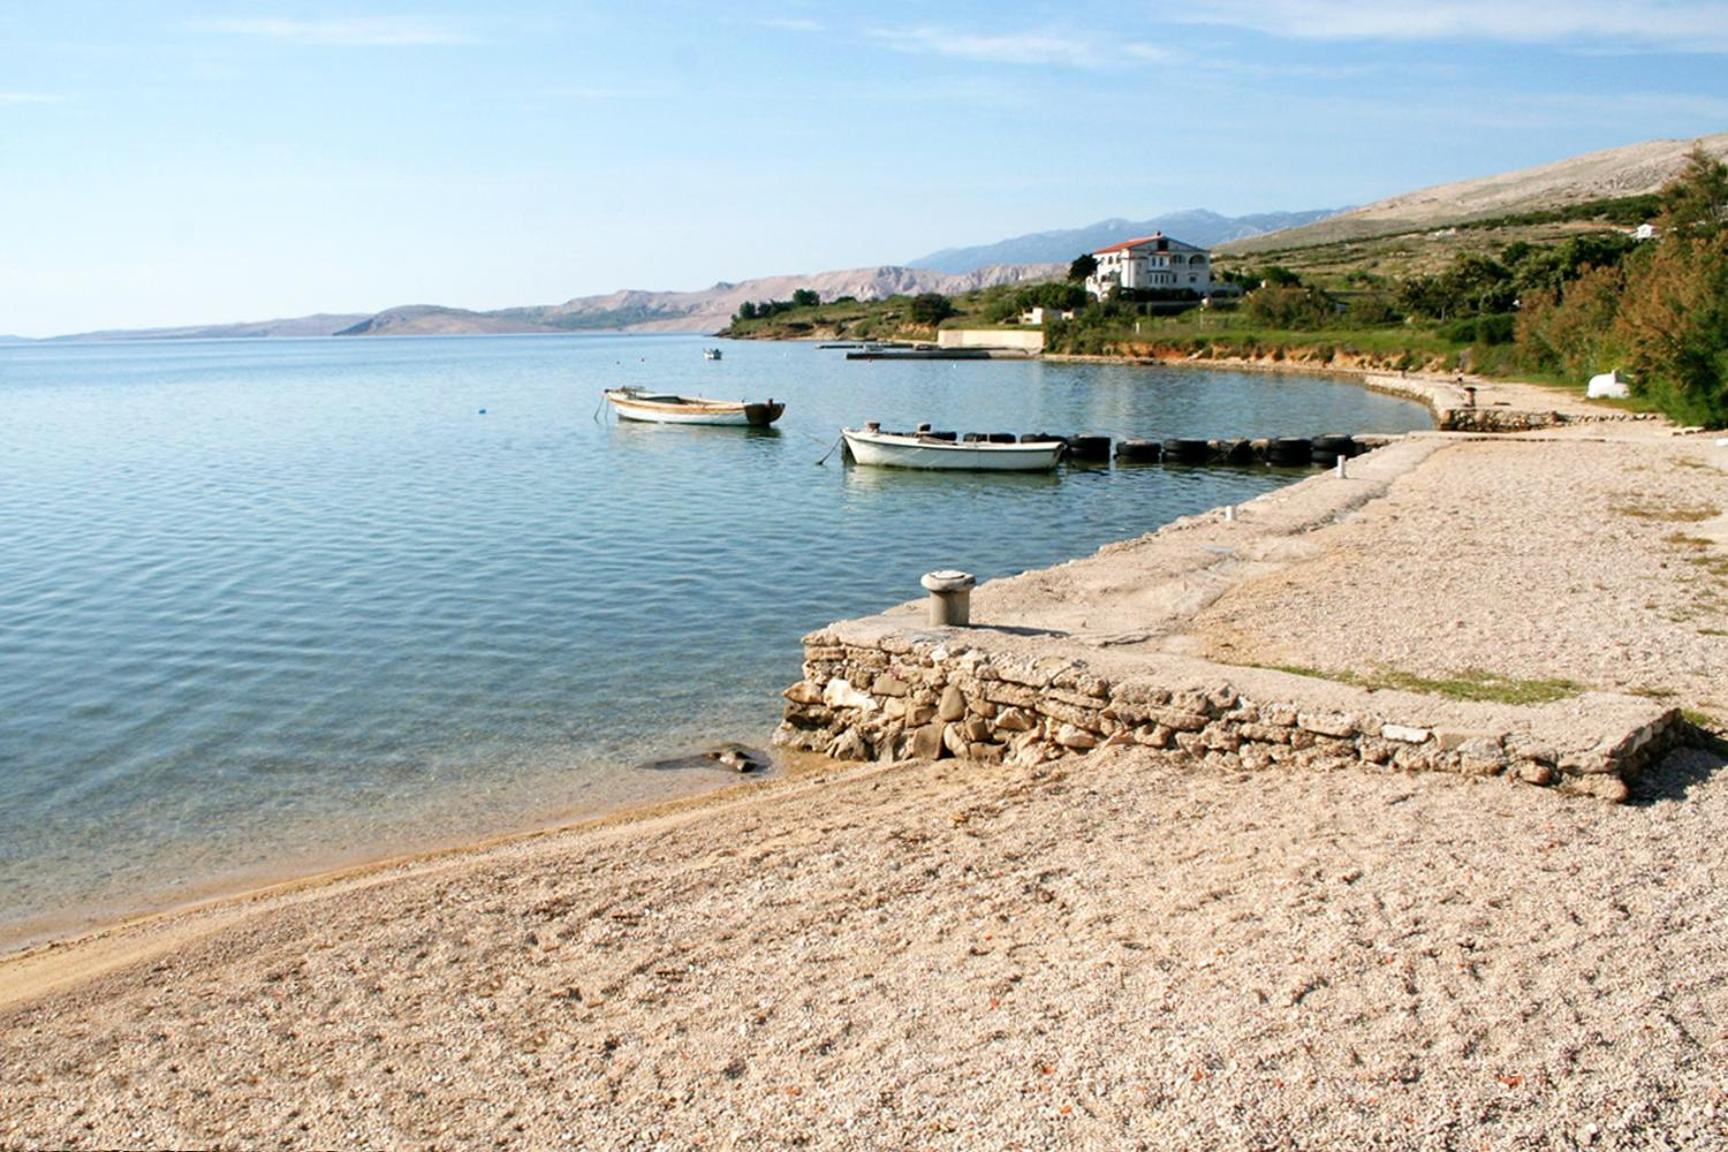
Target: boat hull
[(944, 456), (693, 410)]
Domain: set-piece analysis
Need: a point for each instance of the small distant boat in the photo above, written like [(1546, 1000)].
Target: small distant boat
[(666, 408), (870, 445), (710, 353)]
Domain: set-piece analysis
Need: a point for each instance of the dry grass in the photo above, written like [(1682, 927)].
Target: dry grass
[(1645, 509), (1470, 684)]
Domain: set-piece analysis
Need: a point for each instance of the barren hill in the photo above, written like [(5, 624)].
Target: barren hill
[(1633, 170)]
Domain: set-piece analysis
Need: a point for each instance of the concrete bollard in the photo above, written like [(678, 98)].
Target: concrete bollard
[(1342, 475), (950, 598)]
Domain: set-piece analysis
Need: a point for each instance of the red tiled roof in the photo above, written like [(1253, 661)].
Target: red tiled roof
[(1129, 243)]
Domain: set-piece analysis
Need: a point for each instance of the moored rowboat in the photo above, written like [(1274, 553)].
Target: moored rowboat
[(899, 450), (666, 408)]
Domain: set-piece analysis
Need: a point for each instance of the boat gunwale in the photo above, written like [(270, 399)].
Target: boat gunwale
[(892, 440), (681, 404)]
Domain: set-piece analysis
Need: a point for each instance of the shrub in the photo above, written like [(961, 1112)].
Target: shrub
[(1290, 307), (931, 308)]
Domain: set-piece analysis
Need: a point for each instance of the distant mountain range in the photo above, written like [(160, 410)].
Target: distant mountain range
[(321, 324), (1632, 170), (1196, 226), (705, 310)]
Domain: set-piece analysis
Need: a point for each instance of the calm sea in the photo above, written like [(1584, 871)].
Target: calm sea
[(270, 606)]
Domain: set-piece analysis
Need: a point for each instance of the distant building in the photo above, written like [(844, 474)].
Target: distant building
[(1644, 232), (1151, 262), (1040, 314)]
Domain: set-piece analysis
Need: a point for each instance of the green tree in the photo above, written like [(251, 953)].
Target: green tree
[(1373, 309), (931, 308), (747, 311), (1291, 307), (1082, 266), (1696, 203), (1571, 331)]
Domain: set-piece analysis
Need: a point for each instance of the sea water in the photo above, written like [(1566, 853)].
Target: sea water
[(267, 606)]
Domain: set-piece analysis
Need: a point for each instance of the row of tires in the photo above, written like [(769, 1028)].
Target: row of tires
[(1280, 452)]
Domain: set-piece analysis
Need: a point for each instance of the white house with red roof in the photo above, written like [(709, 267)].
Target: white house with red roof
[(1151, 262)]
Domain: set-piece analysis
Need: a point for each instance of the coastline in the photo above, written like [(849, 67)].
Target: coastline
[(35, 969), (957, 950)]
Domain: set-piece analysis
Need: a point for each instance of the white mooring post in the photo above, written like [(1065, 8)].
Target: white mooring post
[(1342, 475), (950, 597)]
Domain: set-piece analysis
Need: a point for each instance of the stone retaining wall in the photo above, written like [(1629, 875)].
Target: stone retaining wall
[(909, 698)]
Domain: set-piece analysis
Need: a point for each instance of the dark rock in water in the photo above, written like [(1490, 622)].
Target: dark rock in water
[(738, 758), (731, 757)]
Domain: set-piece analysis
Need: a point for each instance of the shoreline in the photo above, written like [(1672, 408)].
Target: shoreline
[(50, 930), (1437, 393), (111, 912), (24, 973), (1106, 949)]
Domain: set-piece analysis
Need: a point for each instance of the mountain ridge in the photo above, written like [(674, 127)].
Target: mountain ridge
[(1199, 226)]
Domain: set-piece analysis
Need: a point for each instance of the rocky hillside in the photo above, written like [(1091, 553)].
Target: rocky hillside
[(1634, 170), (711, 309)]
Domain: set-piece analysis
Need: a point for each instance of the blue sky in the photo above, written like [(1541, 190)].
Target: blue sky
[(166, 163)]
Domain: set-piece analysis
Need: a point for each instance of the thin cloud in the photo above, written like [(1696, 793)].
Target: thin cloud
[(31, 98), (353, 32), (1683, 25), (1015, 47)]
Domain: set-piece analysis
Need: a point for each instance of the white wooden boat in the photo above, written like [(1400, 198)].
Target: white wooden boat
[(666, 408), (901, 450), (711, 353)]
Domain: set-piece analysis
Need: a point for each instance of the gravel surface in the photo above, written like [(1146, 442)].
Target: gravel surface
[(1600, 562), (1123, 954)]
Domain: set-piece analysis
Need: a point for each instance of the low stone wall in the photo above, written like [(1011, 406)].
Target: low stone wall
[(1022, 340), (904, 697)]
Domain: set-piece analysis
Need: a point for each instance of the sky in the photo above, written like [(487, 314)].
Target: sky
[(179, 163)]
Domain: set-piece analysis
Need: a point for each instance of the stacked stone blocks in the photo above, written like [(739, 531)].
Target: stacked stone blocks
[(905, 698)]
